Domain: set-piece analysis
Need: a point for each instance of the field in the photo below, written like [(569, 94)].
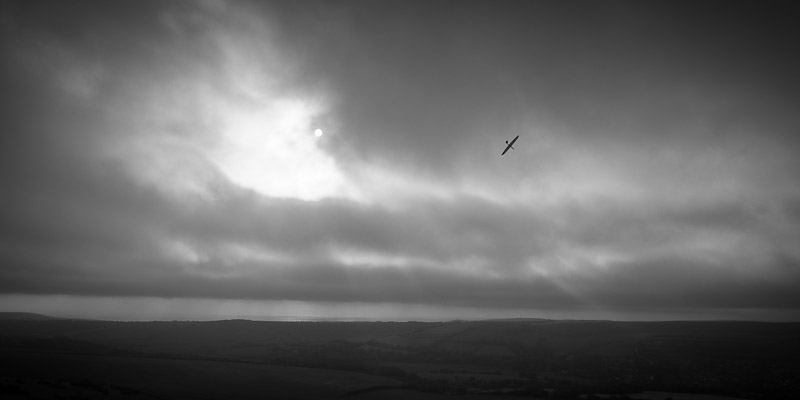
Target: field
[(50, 358), (178, 378)]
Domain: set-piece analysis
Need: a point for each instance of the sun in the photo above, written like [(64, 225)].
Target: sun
[(270, 151)]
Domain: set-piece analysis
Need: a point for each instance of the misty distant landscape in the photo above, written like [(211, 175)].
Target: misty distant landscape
[(45, 357)]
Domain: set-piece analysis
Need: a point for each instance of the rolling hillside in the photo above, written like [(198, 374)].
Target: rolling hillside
[(534, 358)]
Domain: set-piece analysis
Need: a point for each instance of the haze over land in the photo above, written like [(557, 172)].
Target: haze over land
[(161, 160)]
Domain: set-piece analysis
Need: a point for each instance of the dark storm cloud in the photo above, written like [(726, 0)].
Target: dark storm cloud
[(655, 167)]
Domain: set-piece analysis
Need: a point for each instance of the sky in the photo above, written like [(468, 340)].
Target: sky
[(341, 159)]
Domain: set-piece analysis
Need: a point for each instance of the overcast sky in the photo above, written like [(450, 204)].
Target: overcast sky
[(213, 159)]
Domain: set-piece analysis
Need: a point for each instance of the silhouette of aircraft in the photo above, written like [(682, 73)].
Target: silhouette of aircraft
[(510, 145)]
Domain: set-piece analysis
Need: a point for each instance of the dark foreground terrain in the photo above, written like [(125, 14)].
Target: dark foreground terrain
[(45, 358)]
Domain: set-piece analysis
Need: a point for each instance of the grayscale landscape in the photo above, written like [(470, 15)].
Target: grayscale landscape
[(399, 199)]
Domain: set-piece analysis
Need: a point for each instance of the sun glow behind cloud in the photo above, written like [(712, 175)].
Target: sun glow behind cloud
[(272, 151), (234, 122)]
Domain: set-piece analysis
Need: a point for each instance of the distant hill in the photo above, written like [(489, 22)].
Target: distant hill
[(514, 320), (25, 316)]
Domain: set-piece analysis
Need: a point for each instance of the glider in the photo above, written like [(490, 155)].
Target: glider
[(510, 145)]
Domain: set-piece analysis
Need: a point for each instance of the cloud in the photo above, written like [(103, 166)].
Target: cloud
[(465, 254), (167, 152)]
